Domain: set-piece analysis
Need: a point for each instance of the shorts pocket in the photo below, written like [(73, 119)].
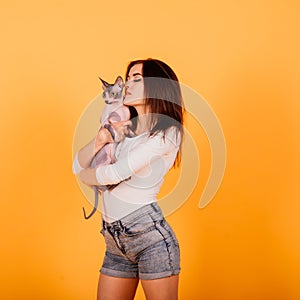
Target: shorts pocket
[(139, 228)]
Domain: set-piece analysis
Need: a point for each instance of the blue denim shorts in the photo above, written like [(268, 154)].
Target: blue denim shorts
[(140, 245)]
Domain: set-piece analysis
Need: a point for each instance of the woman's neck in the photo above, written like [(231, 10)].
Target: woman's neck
[(143, 120)]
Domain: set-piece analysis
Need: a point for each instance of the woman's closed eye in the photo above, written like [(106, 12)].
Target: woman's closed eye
[(135, 80)]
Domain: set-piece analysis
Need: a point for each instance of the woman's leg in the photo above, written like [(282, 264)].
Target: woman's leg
[(116, 288), (162, 288)]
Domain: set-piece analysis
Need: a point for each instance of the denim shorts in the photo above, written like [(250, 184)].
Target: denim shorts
[(140, 245)]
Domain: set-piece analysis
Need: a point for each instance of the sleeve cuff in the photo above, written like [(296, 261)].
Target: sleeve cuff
[(76, 168)]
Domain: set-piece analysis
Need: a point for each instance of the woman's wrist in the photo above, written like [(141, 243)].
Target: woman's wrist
[(102, 138), (98, 144), (86, 154)]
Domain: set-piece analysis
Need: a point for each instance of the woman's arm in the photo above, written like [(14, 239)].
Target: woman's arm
[(137, 158), (85, 155)]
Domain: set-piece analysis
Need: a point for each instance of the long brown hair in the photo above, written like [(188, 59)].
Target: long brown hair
[(163, 97)]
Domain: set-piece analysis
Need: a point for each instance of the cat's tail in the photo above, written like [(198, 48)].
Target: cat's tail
[(95, 205)]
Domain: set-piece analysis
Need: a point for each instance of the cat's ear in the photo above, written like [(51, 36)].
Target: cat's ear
[(104, 83), (119, 81)]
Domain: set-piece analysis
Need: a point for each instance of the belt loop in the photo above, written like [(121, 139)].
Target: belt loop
[(154, 207), (121, 225)]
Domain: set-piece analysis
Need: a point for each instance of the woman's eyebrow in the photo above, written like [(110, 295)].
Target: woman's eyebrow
[(134, 74)]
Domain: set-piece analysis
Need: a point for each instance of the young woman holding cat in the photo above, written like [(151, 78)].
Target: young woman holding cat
[(140, 244)]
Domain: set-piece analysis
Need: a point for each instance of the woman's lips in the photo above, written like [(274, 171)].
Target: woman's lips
[(127, 93)]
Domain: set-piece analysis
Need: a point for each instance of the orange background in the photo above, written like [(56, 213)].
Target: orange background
[(242, 56)]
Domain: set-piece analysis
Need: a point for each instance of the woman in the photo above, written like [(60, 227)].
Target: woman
[(140, 244)]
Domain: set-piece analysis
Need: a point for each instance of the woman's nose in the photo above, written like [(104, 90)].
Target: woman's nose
[(127, 84)]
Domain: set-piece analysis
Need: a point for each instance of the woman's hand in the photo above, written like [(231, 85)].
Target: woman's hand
[(103, 137), (121, 129)]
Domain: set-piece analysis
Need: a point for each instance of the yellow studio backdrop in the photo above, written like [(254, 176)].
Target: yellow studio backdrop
[(241, 56)]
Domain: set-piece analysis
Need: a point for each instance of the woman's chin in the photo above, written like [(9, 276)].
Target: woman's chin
[(128, 101), (132, 101)]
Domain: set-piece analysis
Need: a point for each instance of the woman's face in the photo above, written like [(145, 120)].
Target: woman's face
[(134, 86)]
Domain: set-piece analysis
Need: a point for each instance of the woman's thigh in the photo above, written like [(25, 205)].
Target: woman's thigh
[(116, 288), (161, 289)]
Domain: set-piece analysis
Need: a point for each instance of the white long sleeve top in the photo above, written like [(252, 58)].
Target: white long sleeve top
[(140, 167)]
